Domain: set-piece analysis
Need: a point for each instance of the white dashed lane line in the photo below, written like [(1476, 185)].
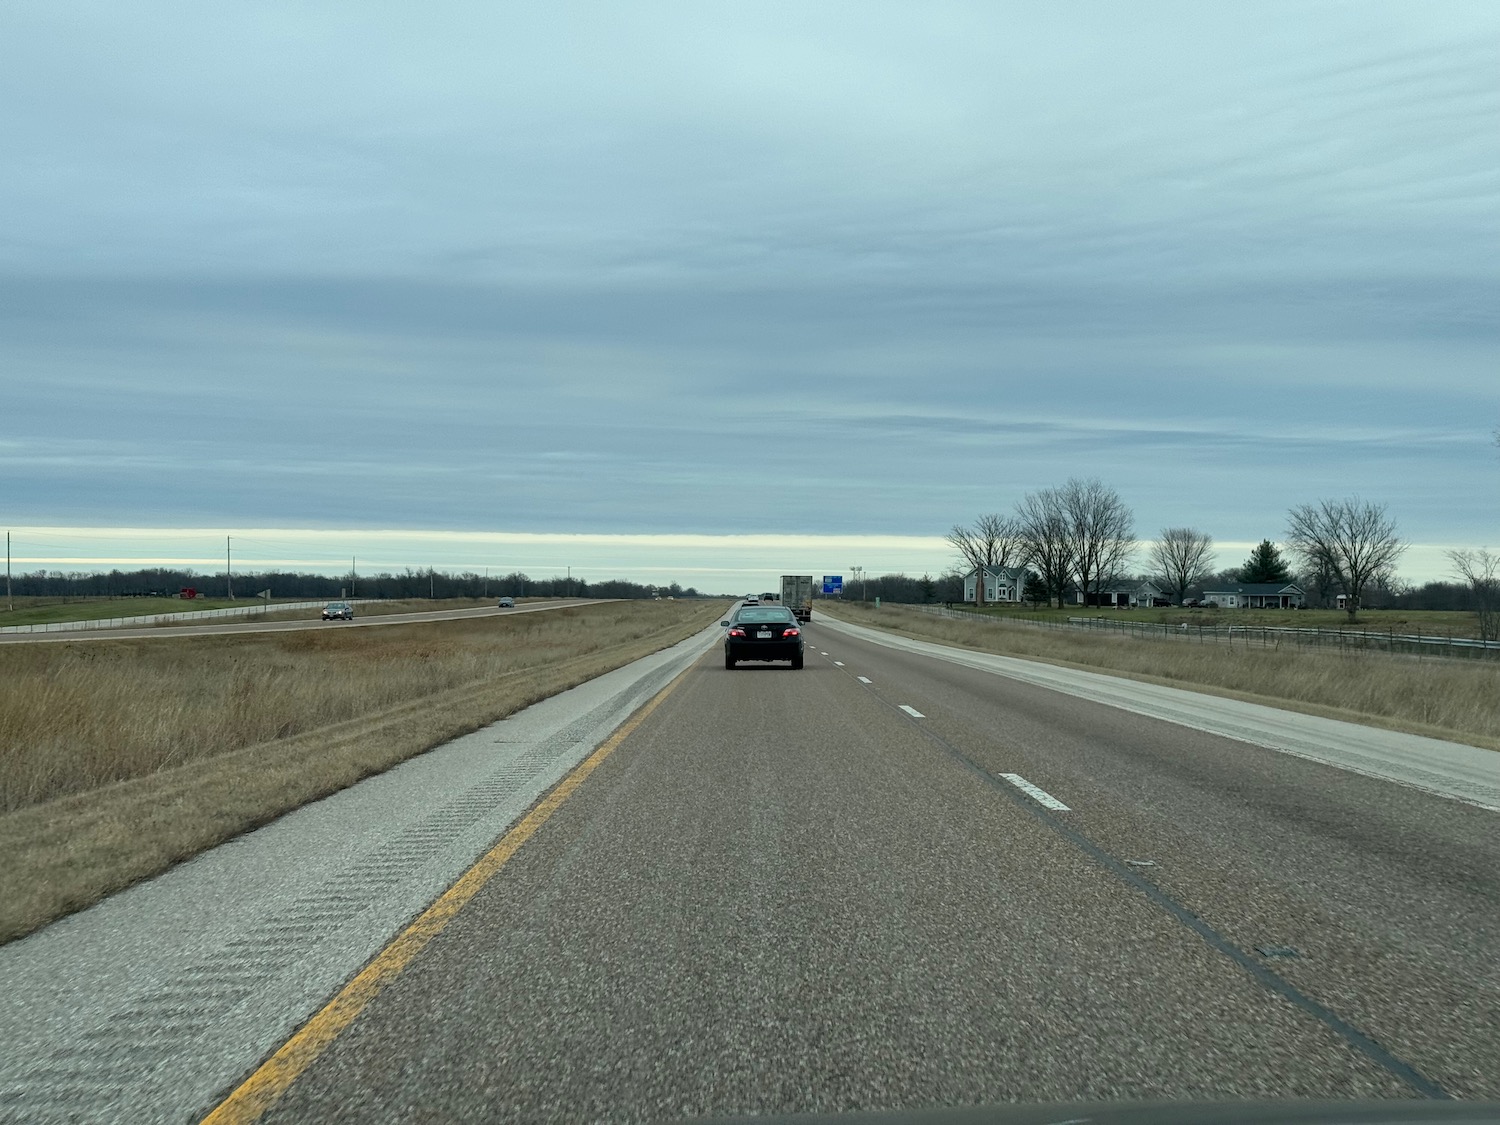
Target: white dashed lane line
[(1041, 796), (839, 663), (912, 711), (864, 679)]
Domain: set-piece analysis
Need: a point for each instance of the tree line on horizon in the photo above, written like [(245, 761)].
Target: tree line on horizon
[(948, 588), (1080, 538), (426, 583)]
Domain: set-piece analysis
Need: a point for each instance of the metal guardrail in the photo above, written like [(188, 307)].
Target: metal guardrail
[(1265, 636), (170, 618)]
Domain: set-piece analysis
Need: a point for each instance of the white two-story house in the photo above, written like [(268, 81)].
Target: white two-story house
[(1001, 584)]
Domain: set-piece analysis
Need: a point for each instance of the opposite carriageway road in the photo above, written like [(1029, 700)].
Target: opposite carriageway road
[(786, 891), (312, 621)]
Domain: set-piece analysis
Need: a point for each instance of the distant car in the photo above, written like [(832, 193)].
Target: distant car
[(769, 632), (752, 600), (338, 611), (507, 603)]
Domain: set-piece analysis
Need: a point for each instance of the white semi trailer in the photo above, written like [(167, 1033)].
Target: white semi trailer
[(796, 594)]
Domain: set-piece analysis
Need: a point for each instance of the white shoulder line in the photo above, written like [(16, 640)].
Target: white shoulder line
[(1449, 769)]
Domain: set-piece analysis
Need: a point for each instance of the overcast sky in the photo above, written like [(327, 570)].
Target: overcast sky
[(843, 274)]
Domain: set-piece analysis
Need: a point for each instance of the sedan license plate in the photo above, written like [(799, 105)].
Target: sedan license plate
[(764, 635)]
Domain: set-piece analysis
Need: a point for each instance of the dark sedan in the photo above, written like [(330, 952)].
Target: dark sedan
[(762, 632)]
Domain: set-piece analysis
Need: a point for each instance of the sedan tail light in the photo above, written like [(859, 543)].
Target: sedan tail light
[(791, 632), (736, 632)]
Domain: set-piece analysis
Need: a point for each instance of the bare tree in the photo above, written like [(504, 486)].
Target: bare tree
[(1481, 570), (1319, 581), (970, 547), (1182, 558), (1046, 539), (1352, 539), (1103, 534), (993, 541)]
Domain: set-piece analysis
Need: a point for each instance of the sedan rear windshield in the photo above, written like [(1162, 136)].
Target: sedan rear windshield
[(757, 616)]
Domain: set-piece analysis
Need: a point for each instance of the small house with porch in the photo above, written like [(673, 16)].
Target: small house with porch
[(1001, 584), (1257, 595)]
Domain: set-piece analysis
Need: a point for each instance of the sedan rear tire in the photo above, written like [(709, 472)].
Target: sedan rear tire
[(730, 662), (796, 663)]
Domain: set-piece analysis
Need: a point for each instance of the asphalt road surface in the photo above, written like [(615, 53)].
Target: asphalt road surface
[(887, 881), (313, 620)]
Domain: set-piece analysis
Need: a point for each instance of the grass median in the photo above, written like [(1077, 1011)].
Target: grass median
[(119, 759), (51, 611), (1456, 700)]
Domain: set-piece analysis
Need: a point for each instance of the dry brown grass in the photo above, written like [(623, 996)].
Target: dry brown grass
[(74, 717), (118, 760), (1457, 700)]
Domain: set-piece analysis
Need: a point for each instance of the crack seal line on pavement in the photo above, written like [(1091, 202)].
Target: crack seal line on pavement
[(1423, 1085), (250, 1101)]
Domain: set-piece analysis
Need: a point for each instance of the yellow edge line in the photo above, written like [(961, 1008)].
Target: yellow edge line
[(258, 1093)]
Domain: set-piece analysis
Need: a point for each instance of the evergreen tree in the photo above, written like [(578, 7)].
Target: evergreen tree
[(1035, 590), (1265, 564)]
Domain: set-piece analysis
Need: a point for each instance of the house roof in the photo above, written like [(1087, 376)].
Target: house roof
[(1262, 588), (1009, 573)]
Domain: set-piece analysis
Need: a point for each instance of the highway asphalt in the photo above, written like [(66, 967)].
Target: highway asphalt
[(891, 881), (897, 878), (312, 621)]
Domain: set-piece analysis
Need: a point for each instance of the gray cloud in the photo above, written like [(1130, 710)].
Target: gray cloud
[(678, 268)]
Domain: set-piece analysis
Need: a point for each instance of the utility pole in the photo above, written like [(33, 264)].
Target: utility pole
[(486, 583), (568, 589), (352, 573), (431, 584), (9, 601), (228, 583)]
